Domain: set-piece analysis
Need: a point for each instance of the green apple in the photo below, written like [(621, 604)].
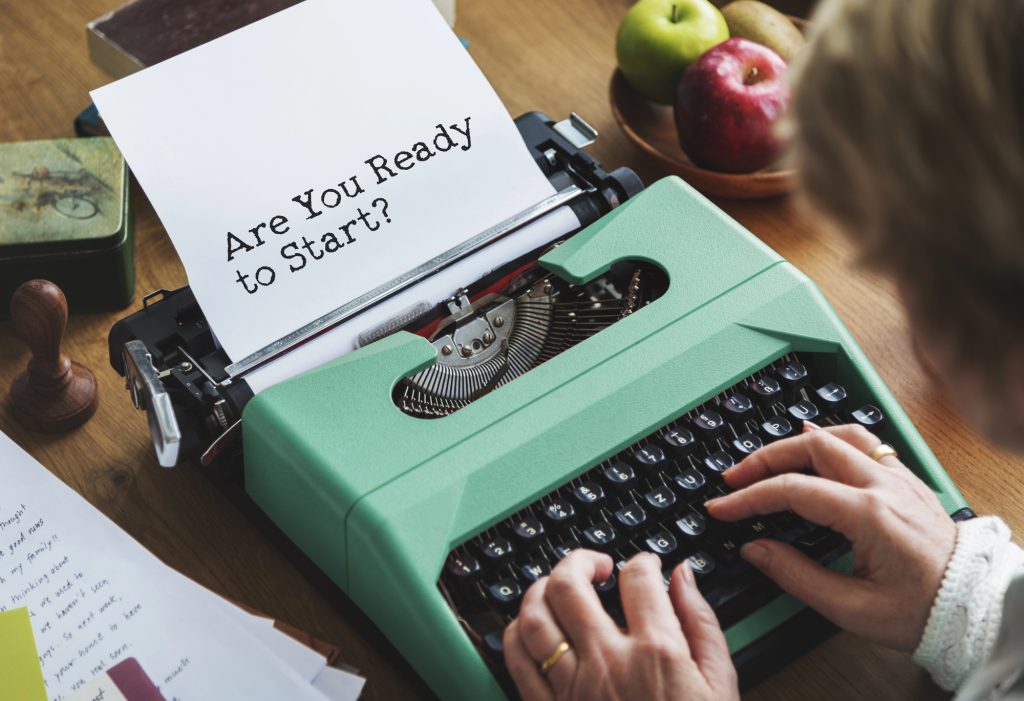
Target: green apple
[(659, 39)]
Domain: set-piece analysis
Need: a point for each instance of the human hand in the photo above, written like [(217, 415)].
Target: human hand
[(673, 648), (902, 538)]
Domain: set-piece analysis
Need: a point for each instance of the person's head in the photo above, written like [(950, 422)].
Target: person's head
[(907, 128)]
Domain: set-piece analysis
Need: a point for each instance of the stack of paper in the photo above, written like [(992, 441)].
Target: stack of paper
[(97, 597)]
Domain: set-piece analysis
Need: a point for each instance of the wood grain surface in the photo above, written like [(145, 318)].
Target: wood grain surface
[(539, 55)]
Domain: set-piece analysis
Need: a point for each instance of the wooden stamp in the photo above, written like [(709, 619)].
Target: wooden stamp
[(54, 393)]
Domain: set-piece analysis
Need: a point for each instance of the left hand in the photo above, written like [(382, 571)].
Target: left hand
[(673, 648)]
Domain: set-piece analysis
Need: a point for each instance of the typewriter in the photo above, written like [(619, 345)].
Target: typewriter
[(587, 396)]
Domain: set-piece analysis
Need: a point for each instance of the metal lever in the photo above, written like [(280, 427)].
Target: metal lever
[(577, 131), (143, 382)]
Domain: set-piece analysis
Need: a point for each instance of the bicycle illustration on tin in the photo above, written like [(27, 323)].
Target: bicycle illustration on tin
[(73, 193)]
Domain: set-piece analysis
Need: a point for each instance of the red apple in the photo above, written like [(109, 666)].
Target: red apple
[(727, 103)]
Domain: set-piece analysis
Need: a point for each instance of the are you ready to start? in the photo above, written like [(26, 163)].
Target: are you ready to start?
[(299, 250)]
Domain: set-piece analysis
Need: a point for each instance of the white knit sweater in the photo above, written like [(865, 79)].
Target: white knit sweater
[(974, 639)]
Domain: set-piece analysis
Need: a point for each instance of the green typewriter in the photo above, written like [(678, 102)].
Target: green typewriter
[(591, 400), (436, 522)]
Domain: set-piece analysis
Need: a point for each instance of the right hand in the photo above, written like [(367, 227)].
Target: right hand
[(902, 538)]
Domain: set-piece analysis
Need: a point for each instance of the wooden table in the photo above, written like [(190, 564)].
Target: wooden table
[(539, 55)]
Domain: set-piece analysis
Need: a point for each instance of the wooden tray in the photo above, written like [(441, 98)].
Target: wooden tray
[(652, 127)]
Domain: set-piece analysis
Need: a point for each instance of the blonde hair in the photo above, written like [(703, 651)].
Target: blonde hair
[(907, 128)]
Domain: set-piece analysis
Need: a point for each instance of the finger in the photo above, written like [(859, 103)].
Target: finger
[(645, 604), (856, 435), (541, 636), (819, 500), (571, 597), (820, 450), (523, 669), (864, 441), (838, 597), (702, 630)]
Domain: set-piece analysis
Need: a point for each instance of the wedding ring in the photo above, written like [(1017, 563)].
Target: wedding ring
[(552, 660), (884, 450)]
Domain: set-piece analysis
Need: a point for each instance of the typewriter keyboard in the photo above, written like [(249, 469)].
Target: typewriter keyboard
[(649, 497)]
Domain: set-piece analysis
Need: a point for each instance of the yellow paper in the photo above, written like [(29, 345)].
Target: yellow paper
[(21, 677)]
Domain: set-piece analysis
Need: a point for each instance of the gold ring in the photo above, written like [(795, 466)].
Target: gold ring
[(884, 450), (552, 660)]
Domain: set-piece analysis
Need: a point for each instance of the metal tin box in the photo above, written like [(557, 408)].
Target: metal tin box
[(65, 217)]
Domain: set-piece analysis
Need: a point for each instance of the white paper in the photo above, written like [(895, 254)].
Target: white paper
[(96, 597), (343, 338), (306, 662), (224, 136), (339, 685)]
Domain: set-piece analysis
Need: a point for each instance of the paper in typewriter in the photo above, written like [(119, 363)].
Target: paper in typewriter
[(314, 155)]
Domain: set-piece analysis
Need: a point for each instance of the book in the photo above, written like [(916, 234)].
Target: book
[(145, 32)]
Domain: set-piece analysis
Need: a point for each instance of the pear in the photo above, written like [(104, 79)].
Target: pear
[(765, 25)]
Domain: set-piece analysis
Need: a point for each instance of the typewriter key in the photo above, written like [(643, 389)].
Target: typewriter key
[(832, 395), (463, 565), (690, 480), (680, 440), (738, 408), (803, 410), (661, 542), (793, 377), (619, 475), (600, 536), (649, 455), (505, 592), (535, 569), (778, 427), (588, 494), (766, 390), (564, 548), (719, 461), (747, 443), (558, 512), (496, 549), (528, 529), (708, 424), (661, 498), (631, 516), (701, 563), (691, 525), (494, 641), (869, 416)]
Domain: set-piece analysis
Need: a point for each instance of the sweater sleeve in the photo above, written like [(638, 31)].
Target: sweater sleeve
[(968, 609)]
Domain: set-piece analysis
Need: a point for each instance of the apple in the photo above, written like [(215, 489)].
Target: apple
[(658, 39), (727, 104)]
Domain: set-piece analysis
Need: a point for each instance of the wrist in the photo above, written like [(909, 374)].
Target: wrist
[(967, 610)]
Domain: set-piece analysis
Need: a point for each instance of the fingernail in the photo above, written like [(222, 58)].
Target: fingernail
[(811, 425), (712, 502), (649, 556), (754, 553), (687, 574)]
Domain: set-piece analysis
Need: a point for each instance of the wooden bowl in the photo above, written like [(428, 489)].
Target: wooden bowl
[(652, 127)]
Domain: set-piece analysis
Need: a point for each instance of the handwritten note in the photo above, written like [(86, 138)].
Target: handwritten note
[(312, 156), (97, 597)]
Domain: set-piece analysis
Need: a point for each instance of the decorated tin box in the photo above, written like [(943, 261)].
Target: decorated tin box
[(65, 217)]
